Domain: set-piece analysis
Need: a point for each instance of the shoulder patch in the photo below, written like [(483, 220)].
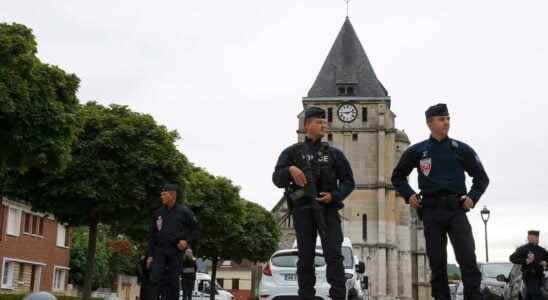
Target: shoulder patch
[(454, 143)]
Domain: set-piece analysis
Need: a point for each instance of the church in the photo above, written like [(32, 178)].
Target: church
[(386, 233)]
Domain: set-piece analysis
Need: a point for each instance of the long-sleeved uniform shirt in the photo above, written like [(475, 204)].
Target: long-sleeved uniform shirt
[(312, 152), (171, 225), (441, 166)]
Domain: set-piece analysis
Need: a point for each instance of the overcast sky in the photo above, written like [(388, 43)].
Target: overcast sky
[(229, 76)]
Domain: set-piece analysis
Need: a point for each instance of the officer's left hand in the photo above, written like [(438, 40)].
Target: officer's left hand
[(325, 197), (468, 202), (182, 245)]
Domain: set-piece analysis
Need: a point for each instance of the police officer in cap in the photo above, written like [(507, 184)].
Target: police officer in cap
[(173, 228), (317, 178), (442, 162), (533, 259)]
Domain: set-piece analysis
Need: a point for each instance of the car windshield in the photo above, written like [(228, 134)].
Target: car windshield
[(289, 260), (348, 259), (494, 270)]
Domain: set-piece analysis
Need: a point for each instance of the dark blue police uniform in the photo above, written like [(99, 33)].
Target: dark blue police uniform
[(334, 176), (441, 166), (169, 226)]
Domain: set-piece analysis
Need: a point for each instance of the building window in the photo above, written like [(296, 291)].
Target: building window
[(7, 274), (346, 89), (329, 137), (354, 137), (14, 221), (364, 227), (364, 114), (59, 275), (33, 224), (329, 114), (61, 235), (235, 284), (221, 282), (21, 275)]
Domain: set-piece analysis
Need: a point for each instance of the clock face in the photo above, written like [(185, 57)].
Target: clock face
[(347, 113)]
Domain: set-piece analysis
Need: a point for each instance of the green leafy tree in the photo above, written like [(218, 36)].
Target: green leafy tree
[(78, 258), (38, 106), (260, 236), (219, 209), (119, 161)]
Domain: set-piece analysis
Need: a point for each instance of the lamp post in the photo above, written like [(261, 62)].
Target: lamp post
[(485, 213)]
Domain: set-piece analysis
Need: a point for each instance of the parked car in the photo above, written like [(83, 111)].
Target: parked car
[(279, 279), (491, 287), (202, 289), (514, 286), (357, 281)]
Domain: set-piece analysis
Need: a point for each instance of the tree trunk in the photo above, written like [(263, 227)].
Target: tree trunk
[(213, 278), (92, 247)]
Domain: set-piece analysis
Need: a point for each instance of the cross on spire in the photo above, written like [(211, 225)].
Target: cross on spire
[(347, 4)]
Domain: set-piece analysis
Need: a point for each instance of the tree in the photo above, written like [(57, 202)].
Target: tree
[(38, 106), (219, 209), (120, 160), (231, 228), (78, 258), (260, 236)]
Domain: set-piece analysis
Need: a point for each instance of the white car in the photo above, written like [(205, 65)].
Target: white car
[(279, 279), (202, 289), (357, 281)]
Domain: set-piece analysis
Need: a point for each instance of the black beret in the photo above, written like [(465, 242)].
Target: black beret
[(533, 232), (314, 112), (169, 186), (437, 110)]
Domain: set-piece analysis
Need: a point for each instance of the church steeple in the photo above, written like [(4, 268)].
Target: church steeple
[(347, 70)]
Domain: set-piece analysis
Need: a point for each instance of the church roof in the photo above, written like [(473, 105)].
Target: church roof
[(347, 64)]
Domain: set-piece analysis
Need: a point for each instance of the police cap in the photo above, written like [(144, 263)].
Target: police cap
[(314, 112), (437, 110), (169, 186)]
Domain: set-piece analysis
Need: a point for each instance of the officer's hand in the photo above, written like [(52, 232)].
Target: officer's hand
[(298, 176), (325, 197), (468, 203), (182, 245), (149, 261), (414, 201), (530, 258)]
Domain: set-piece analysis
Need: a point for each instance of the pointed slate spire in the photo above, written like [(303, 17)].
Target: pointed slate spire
[(347, 66)]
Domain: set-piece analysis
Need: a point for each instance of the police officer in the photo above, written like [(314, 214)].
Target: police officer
[(317, 178), (174, 226), (441, 163), (533, 259)]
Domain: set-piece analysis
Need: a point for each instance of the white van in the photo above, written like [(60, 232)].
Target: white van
[(202, 289)]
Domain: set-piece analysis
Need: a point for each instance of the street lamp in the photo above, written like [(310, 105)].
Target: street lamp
[(485, 213)]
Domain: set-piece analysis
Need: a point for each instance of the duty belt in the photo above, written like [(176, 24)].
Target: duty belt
[(442, 201)]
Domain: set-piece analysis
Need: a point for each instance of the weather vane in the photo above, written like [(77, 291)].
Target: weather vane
[(347, 1)]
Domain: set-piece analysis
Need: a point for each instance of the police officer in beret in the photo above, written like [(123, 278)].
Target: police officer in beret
[(533, 259), (173, 228), (441, 163), (317, 178)]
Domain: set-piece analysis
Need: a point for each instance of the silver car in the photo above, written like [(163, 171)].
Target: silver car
[(491, 287)]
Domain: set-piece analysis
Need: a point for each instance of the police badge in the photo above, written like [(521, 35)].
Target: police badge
[(426, 166), (159, 222)]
